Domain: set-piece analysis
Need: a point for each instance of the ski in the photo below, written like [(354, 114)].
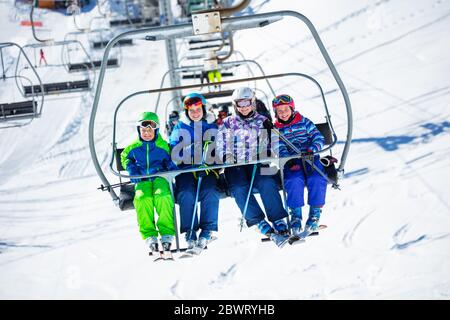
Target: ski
[(294, 239), (195, 251), (190, 253), (167, 256), (278, 239), (297, 239), (159, 255), (162, 255)]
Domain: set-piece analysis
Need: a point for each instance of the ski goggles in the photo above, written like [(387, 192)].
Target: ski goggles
[(282, 100), (243, 103), (146, 124), (192, 102)]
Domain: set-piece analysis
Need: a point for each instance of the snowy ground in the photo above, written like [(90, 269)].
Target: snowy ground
[(389, 226)]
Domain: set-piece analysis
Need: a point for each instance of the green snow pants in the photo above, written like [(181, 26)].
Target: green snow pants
[(151, 195)]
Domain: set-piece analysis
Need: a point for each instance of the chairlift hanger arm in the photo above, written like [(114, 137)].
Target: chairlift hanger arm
[(16, 75), (32, 24)]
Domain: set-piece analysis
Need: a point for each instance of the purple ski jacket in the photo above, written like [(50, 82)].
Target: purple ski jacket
[(243, 138)]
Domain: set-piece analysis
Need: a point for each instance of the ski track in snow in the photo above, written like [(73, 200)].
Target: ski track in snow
[(348, 237), (58, 239), (402, 244)]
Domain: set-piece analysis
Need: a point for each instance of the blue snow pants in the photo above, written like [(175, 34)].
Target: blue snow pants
[(239, 178), (209, 196), (296, 181)]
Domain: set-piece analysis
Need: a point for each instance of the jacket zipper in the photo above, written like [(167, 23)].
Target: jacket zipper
[(146, 156)]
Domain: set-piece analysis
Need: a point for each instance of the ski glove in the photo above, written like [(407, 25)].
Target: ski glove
[(169, 165), (133, 171), (308, 155), (204, 173), (293, 165), (267, 124)]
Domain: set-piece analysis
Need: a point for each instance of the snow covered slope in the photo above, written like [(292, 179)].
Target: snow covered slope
[(389, 226)]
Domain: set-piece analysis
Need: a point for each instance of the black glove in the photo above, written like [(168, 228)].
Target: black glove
[(267, 124), (199, 174), (293, 165), (308, 155)]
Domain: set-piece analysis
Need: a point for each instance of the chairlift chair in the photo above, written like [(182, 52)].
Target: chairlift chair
[(113, 62), (14, 113), (67, 85), (186, 30)]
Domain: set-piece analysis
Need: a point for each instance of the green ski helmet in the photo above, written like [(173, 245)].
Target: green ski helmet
[(148, 116), (148, 120)]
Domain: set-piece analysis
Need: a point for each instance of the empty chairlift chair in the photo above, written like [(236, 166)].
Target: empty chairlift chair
[(69, 86), (85, 65), (19, 110)]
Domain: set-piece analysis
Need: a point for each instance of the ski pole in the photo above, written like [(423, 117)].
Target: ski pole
[(175, 224), (248, 196), (285, 199), (194, 213)]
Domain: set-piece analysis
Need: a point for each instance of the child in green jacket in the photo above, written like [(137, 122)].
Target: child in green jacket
[(148, 155)]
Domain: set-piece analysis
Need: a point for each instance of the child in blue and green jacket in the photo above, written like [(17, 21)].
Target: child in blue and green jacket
[(150, 154)]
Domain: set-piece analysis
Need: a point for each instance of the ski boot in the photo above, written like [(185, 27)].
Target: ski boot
[(191, 241), (265, 228), (296, 221), (167, 254), (152, 243), (201, 244), (312, 224), (203, 239), (281, 227), (191, 244)]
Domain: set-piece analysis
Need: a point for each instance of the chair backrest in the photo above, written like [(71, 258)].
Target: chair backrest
[(118, 162), (325, 130)]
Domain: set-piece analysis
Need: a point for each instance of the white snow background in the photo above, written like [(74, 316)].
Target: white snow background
[(389, 226)]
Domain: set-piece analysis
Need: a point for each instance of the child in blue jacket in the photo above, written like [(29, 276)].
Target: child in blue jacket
[(298, 174), (187, 141)]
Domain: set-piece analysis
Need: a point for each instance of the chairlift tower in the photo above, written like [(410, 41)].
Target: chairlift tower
[(171, 49)]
